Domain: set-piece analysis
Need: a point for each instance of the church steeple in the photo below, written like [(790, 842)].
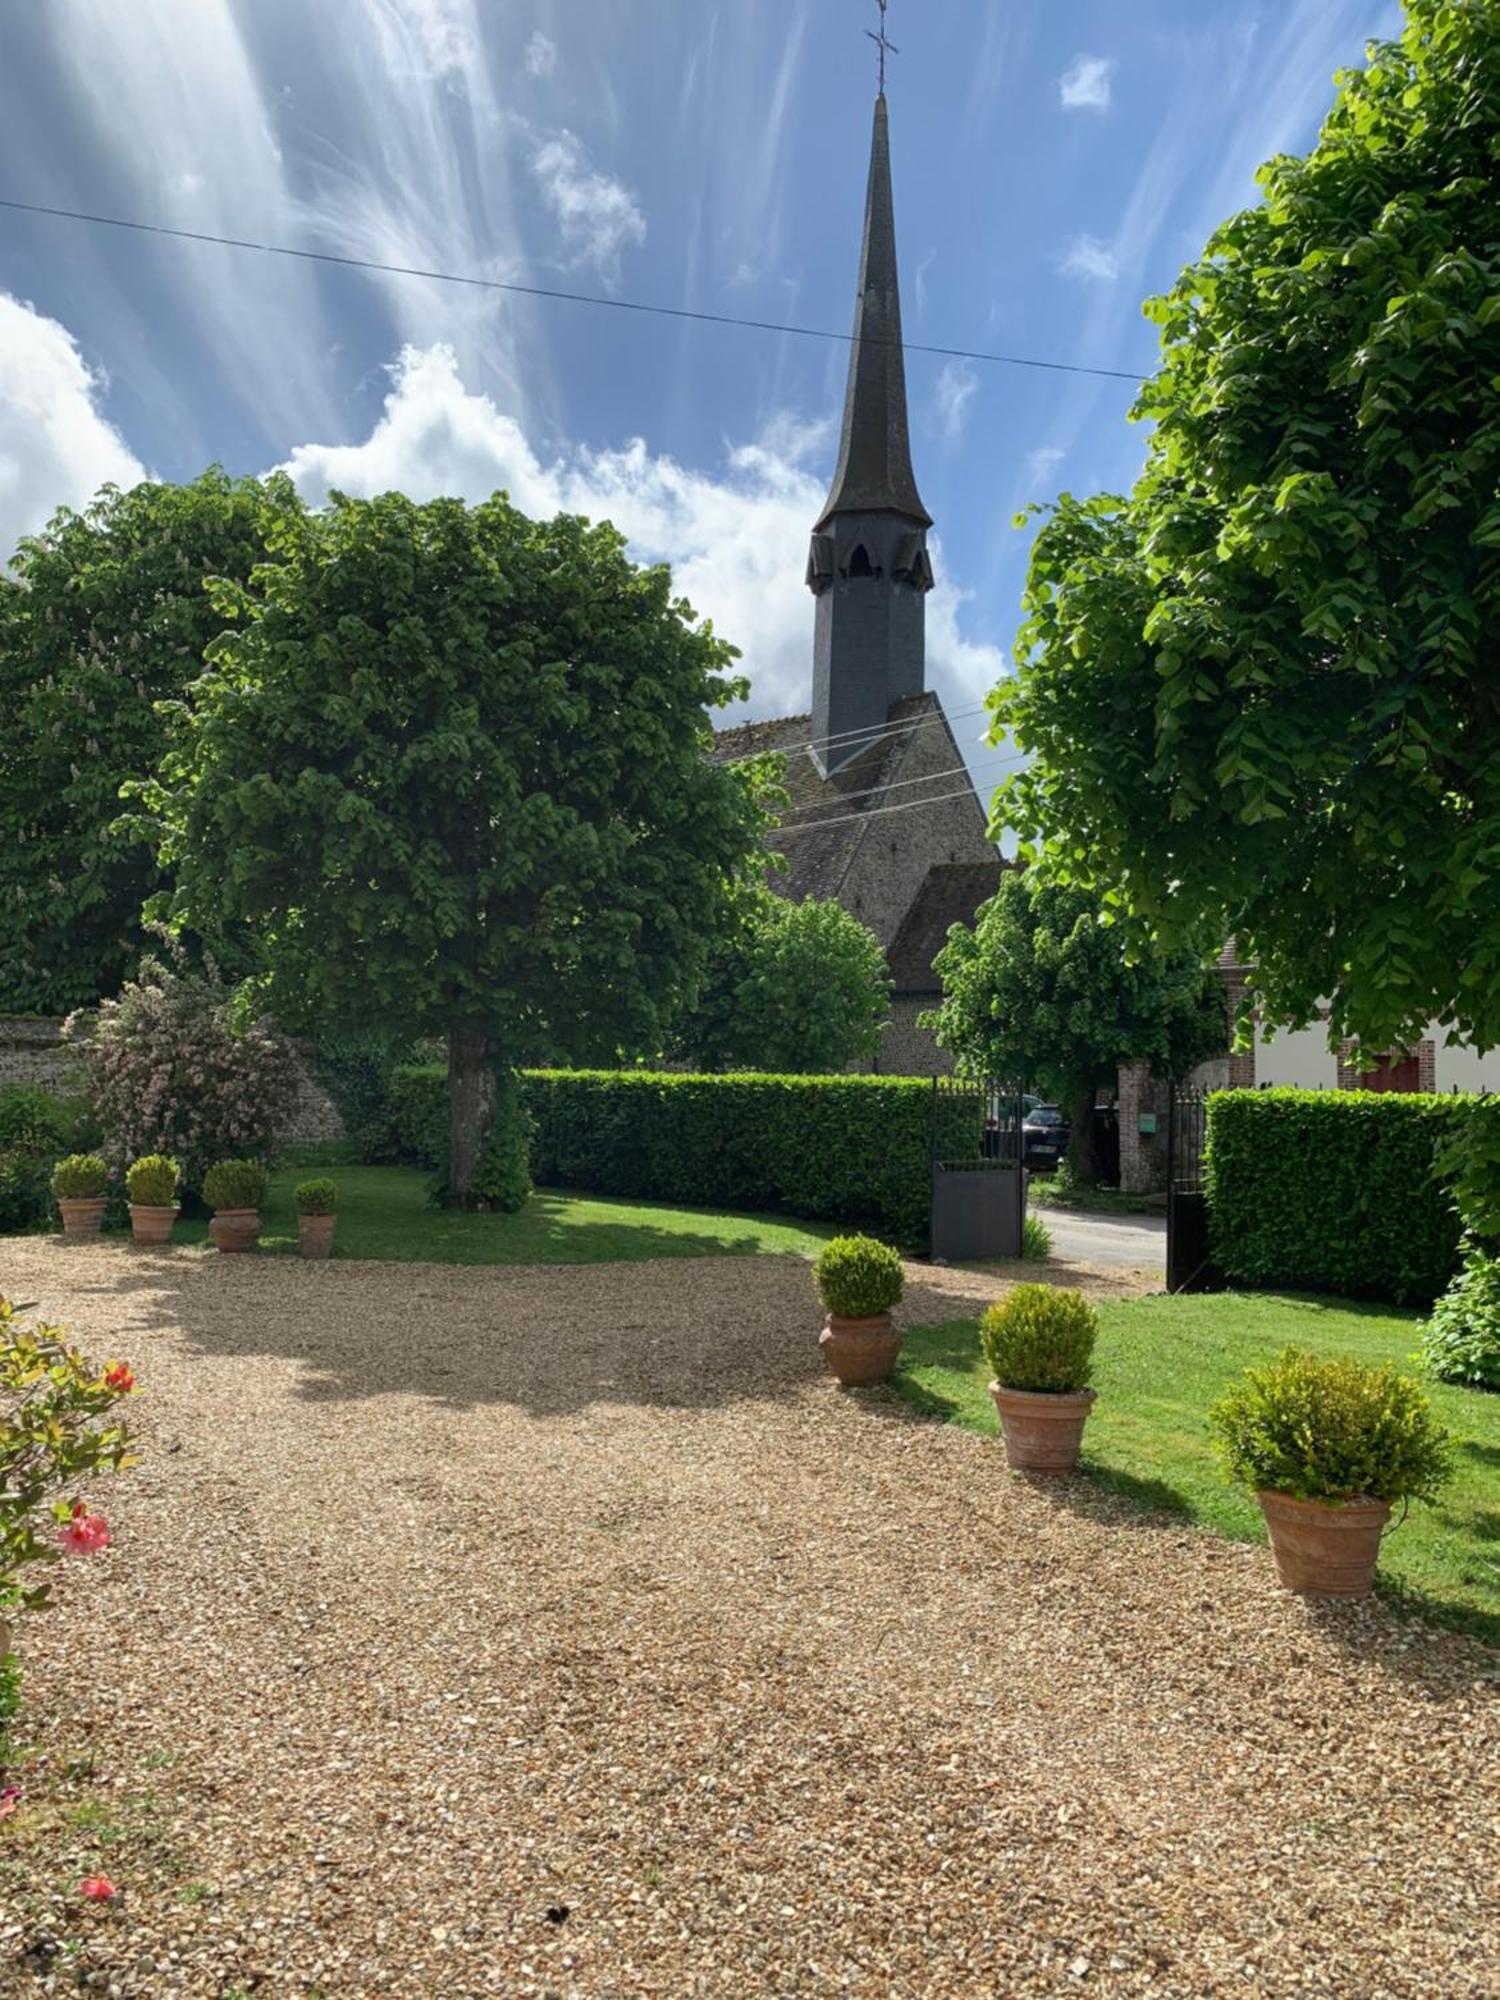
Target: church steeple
[(869, 567), (874, 469)]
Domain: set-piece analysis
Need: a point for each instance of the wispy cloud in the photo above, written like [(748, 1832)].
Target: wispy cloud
[(541, 55), (599, 217), (1087, 83), (1087, 257), (957, 386), (1042, 462)]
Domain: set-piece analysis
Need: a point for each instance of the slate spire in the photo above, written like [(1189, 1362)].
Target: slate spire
[(874, 470)]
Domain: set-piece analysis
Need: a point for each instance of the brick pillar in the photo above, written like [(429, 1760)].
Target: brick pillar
[(1143, 1155)]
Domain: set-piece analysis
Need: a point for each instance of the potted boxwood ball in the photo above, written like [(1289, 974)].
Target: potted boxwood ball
[(859, 1280), (315, 1217), (151, 1183), (1327, 1447), (1039, 1342), (234, 1190), (79, 1182)]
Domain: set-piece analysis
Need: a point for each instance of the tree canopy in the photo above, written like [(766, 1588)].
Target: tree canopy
[(453, 766), (1041, 989), (106, 614), (1263, 692), (793, 988)]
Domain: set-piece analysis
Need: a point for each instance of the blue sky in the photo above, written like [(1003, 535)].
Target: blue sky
[(1056, 162)]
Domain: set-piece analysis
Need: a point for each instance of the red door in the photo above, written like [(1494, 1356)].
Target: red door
[(1394, 1072)]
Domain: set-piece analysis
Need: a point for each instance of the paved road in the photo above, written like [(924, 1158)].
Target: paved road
[(1133, 1241)]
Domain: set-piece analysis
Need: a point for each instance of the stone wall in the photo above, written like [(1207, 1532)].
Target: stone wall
[(907, 1050), (32, 1051)]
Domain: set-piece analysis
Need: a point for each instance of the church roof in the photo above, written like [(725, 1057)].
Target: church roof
[(951, 894), (874, 470), (827, 815)]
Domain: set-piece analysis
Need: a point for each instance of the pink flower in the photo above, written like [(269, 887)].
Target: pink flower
[(98, 1889), (85, 1534), (10, 1798)]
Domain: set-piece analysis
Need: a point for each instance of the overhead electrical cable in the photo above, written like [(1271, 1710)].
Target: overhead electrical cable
[(901, 784), (877, 812), (552, 292), (911, 722)]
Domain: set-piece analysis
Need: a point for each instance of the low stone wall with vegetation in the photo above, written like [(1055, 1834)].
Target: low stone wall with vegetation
[(1332, 1191), (844, 1148)]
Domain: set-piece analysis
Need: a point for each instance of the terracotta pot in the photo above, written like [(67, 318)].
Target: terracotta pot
[(315, 1235), (150, 1224), (80, 1218), (860, 1351), (1042, 1430), (1325, 1548), (235, 1228)]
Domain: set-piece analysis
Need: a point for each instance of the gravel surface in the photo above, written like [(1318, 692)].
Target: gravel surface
[(566, 1632)]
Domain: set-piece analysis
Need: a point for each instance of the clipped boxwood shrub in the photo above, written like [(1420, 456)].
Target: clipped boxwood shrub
[(234, 1184), (1041, 1338), (1332, 1191), (839, 1148), (1461, 1342), (858, 1277), (151, 1181), (316, 1197), (80, 1177), (1331, 1430)]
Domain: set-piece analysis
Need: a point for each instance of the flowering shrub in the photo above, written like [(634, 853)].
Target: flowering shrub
[(234, 1184), (178, 1067), (55, 1427)]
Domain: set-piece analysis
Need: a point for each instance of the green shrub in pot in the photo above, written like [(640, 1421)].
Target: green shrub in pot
[(316, 1197), (151, 1181), (858, 1277), (234, 1184), (1040, 1338), (80, 1177)]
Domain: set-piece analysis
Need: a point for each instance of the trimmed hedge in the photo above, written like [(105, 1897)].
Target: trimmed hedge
[(1332, 1191), (842, 1148)]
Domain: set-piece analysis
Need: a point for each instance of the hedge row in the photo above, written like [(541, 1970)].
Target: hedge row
[(1332, 1191), (845, 1148)]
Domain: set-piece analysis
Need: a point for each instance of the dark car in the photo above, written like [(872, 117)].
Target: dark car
[(1045, 1135)]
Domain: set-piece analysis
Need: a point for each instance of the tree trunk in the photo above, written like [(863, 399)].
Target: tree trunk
[(1081, 1155), (471, 1104)]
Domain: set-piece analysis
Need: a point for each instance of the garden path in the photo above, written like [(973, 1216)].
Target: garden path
[(566, 1632)]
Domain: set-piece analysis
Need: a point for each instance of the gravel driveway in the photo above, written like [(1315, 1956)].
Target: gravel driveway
[(565, 1632)]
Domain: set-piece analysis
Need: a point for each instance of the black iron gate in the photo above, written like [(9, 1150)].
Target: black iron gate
[(1190, 1265), (978, 1154)]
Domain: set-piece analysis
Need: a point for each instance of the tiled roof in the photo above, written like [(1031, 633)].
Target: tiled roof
[(818, 856), (951, 894)]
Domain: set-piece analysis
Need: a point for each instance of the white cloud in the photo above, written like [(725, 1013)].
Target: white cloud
[(957, 386), (1087, 257), (1043, 462), (599, 216), (541, 55), (736, 537), (56, 449), (1085, 85)]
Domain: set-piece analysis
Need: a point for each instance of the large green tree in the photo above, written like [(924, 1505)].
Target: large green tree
[(104, 615), (1263, 691), (794, 988), (453, 767), (1043, 989)]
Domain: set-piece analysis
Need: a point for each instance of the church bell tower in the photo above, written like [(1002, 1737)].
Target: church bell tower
[(869, 568)]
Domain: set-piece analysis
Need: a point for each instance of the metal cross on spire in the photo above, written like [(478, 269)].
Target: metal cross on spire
[(882, 42)]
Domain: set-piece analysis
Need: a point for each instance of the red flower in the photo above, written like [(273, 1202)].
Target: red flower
[(120, 1379), (10, 1798), (85, 1534), (98, 1889)]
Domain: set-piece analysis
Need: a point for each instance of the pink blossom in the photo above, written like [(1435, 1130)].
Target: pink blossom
[(85, 1534), (10, 1798), (97, 1889)]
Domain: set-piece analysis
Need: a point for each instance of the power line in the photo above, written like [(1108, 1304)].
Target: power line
[(912, 722), (878, 812), (549, 292), (901, 784)]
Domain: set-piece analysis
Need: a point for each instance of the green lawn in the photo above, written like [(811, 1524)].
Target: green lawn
[(1160, 1364), (383, 1212)]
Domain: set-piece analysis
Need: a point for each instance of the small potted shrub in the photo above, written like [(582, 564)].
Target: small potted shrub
[(151, 1183), (315, 1218), (1326, 1447), (859, 1280), (79, 1182), (234, 1190), (1039, 1342)]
